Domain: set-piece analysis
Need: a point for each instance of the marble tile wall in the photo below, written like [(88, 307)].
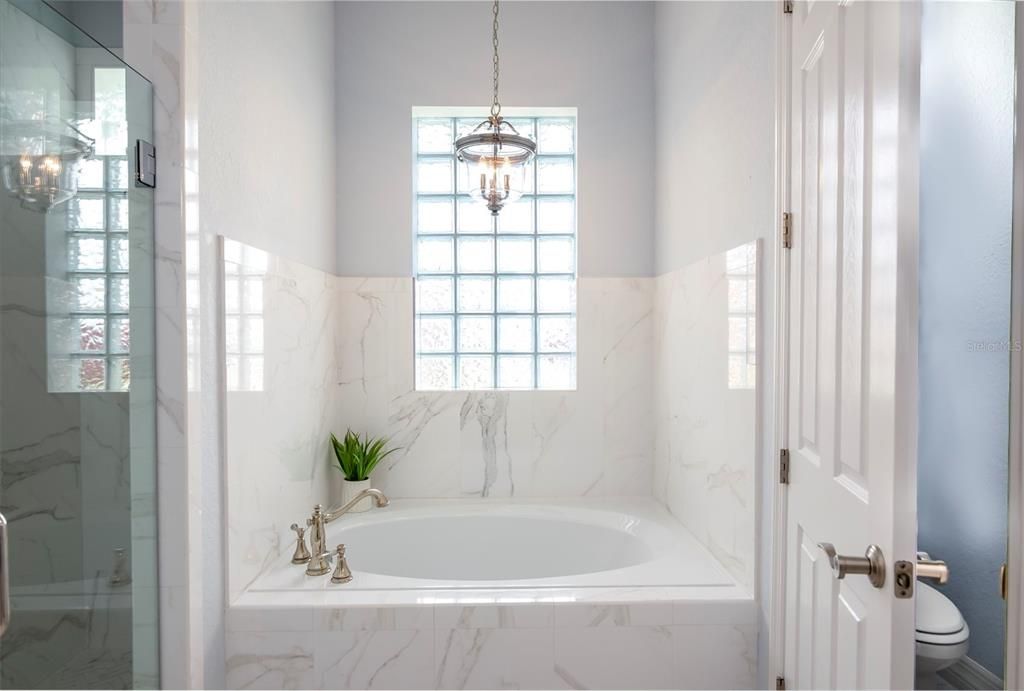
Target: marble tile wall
[(86, 646), (279, 325), (663, 645), (337, 352), (592, 441), (705, 403)]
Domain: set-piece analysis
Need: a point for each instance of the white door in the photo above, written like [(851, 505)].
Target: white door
[(852, 339)]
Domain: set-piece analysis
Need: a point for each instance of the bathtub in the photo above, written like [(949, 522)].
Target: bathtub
[(494, 595), (438, 545)]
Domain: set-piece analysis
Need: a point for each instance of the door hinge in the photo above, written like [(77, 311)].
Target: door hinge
[(780, 684), (787, 6), (787, 230), (783, 466)]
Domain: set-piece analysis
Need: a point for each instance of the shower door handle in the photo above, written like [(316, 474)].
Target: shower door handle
[(5, 583)]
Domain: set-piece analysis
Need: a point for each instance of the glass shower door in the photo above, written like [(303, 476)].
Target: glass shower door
[(77, 381)]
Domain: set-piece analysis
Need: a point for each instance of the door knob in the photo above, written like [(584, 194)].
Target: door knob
[(872, 564)]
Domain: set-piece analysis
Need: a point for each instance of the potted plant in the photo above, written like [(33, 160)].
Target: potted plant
[(356, 460)]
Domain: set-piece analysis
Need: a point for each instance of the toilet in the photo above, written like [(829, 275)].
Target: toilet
[(941, 634)]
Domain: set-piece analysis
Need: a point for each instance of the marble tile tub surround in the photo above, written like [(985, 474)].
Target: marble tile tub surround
[(309, 353), (672, 644), (337, 352), (705, 409)]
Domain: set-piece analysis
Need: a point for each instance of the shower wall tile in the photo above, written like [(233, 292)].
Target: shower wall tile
[(706, 413)]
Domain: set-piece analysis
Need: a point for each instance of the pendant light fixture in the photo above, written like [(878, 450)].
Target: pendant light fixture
[(494, 153)]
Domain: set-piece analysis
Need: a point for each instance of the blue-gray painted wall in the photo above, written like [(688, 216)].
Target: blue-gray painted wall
[(966, 185)]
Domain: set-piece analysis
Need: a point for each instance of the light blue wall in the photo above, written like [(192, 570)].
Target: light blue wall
[(966, 181)]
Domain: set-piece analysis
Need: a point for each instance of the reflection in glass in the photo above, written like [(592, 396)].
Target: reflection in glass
[(741, 274), (245, 270)]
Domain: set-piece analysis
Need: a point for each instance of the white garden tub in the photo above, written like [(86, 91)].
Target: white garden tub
[(449, 545)]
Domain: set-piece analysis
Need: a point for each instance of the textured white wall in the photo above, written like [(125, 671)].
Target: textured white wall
[(267, 126), (714, 128), (596, 56)]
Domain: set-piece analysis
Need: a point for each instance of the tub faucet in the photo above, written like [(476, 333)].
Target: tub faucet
[(318, 564)]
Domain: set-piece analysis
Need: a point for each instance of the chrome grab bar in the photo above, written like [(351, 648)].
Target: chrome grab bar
[(5, 585)]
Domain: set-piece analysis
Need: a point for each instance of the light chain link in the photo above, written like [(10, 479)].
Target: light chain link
[(496, 105)]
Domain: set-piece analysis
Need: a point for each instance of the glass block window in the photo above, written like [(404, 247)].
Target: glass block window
[(93, 334), (495, 296)]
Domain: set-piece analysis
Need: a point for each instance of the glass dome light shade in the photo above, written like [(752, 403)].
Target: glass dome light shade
[(40, 161), (495, 160)]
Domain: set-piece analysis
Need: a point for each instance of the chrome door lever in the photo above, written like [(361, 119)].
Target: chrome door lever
[(872, 564)]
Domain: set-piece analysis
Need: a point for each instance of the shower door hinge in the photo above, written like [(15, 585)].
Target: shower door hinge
[(783, 466), (787, 6), (780, 684), (787, 230), (145, 164)]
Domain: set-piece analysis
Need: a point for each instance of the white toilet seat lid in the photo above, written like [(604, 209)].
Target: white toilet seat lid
[(936, 615)]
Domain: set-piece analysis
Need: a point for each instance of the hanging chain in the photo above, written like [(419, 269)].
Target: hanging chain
[(496, 105)]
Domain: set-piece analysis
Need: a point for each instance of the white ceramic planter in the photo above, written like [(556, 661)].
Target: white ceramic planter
[(350, 489)]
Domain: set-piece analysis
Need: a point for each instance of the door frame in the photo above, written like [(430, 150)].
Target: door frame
[(1015, 530), (778, 424)]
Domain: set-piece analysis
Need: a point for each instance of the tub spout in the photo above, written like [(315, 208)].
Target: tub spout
[(378, 497), (317, 523)]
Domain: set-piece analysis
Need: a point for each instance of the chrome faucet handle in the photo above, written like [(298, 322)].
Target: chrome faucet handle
[(342, 574), (301, 555)]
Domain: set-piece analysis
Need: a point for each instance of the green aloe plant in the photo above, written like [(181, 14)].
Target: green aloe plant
[(358, 457)]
